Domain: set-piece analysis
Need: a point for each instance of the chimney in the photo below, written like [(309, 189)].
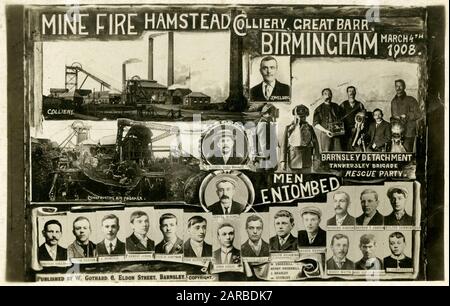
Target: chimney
[(150, 58), (170, 73), (124, 78)]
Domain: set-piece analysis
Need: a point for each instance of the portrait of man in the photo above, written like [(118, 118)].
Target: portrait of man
[(82, 247), (225, 151), (379, 134), (50, 250), (255, 246), (196, 245), (283, 240), (227, 253), (139, 241), (270, 89), (341, 201), (171, 243), (111, 245), (397, 259), (397, 197), (327, 116), (225, 190), (266, 137), (339, 261), (350, 108), (405, 109), (313, 235), (369, 261), (369, 205)]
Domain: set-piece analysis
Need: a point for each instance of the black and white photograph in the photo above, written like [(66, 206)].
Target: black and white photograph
[(340, 260), (198, 236), (255, 228), (111, 245), (340, 209), (140, 230), (169, 239), (283, 229), (83, 227), (401, 198), (226, 244), (53, 239), (398, 257), (311, 226), (368, 251)]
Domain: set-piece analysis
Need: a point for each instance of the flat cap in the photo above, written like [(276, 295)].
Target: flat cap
[(397, 189), (226, 178), (311, 210), (223, 133)]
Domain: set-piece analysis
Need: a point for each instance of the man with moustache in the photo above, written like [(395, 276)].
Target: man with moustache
[(283, 241), (171, 243), (255, 246), (339, 246), (270, 89), (138, 241), (406, 109), (50, 250), (379, 133), (397, 259), (350, 108), (369, 204), (369, 261), (341, 201), (82, 247), (226, 152), (397, 197), (326, 116), (225, 190), (313, 235), (227, 253), (111, 245), (196, 246)]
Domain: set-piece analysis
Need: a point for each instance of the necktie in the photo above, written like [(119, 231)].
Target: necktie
[(167, 247), (266, 93), (111, 248), (227, 210)]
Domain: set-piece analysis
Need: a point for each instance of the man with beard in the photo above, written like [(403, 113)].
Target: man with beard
[(82, 247), (196, 246), (406, 109), (397, 259), (226, 152), (50, 250), (225, 190), (369, 204), (369, 261), (350, 108), (326, 116), (255, 246), (227, 253), (379, 133), (341, 201), (397, 197), (170, 244), (138, 241), (283, 240), (313, 235), (339, 246), (270, 89), (110, 246)]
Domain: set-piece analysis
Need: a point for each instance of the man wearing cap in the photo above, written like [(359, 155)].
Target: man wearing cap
[(339, 261), (299, 144), (313, 235), (225, 190), (196, 246), (283, 240), (369, 260), (225, 152), (397, 197), (341, 201), (266, 138), (270, 89), (369, 205), (227, 253), (255, 246)]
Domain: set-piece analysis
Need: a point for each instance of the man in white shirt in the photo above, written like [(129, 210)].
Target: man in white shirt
[(139, 241), (255, 246), (339, 261), (225, 189), (196, 246), (283, 241), (110, 246), (225, 151), (50, 250), (270, 89), (227, 253), (369, 205), (171, 243), (341, 201)]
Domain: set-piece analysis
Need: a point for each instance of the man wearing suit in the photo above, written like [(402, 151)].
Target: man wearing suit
[(339, 246), (313, 235), (226, 152), (82, 247), (111, 245), (171, 243), (397, 259), (227, 253), (225, 190), (369, 204), (255, 246), (283, 241), (196, 246), (379, 133), (270, 89), (397, 196), (50, 250), (369, 261), (138, 241), (341, 201)]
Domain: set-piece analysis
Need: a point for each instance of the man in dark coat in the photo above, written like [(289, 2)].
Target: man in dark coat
[(313, 235), (397, 259), (171, 243), (227, 253), (196, 246), (139, 241), (369, 261), (397, 197), (50, 250), (341, 201), (369, 204), (283, 241), (379, 134), (82, 247), (255, 246), (270, 89), (225, 190), (350, 108), (111, 245), (225, 150), (339, 261)]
